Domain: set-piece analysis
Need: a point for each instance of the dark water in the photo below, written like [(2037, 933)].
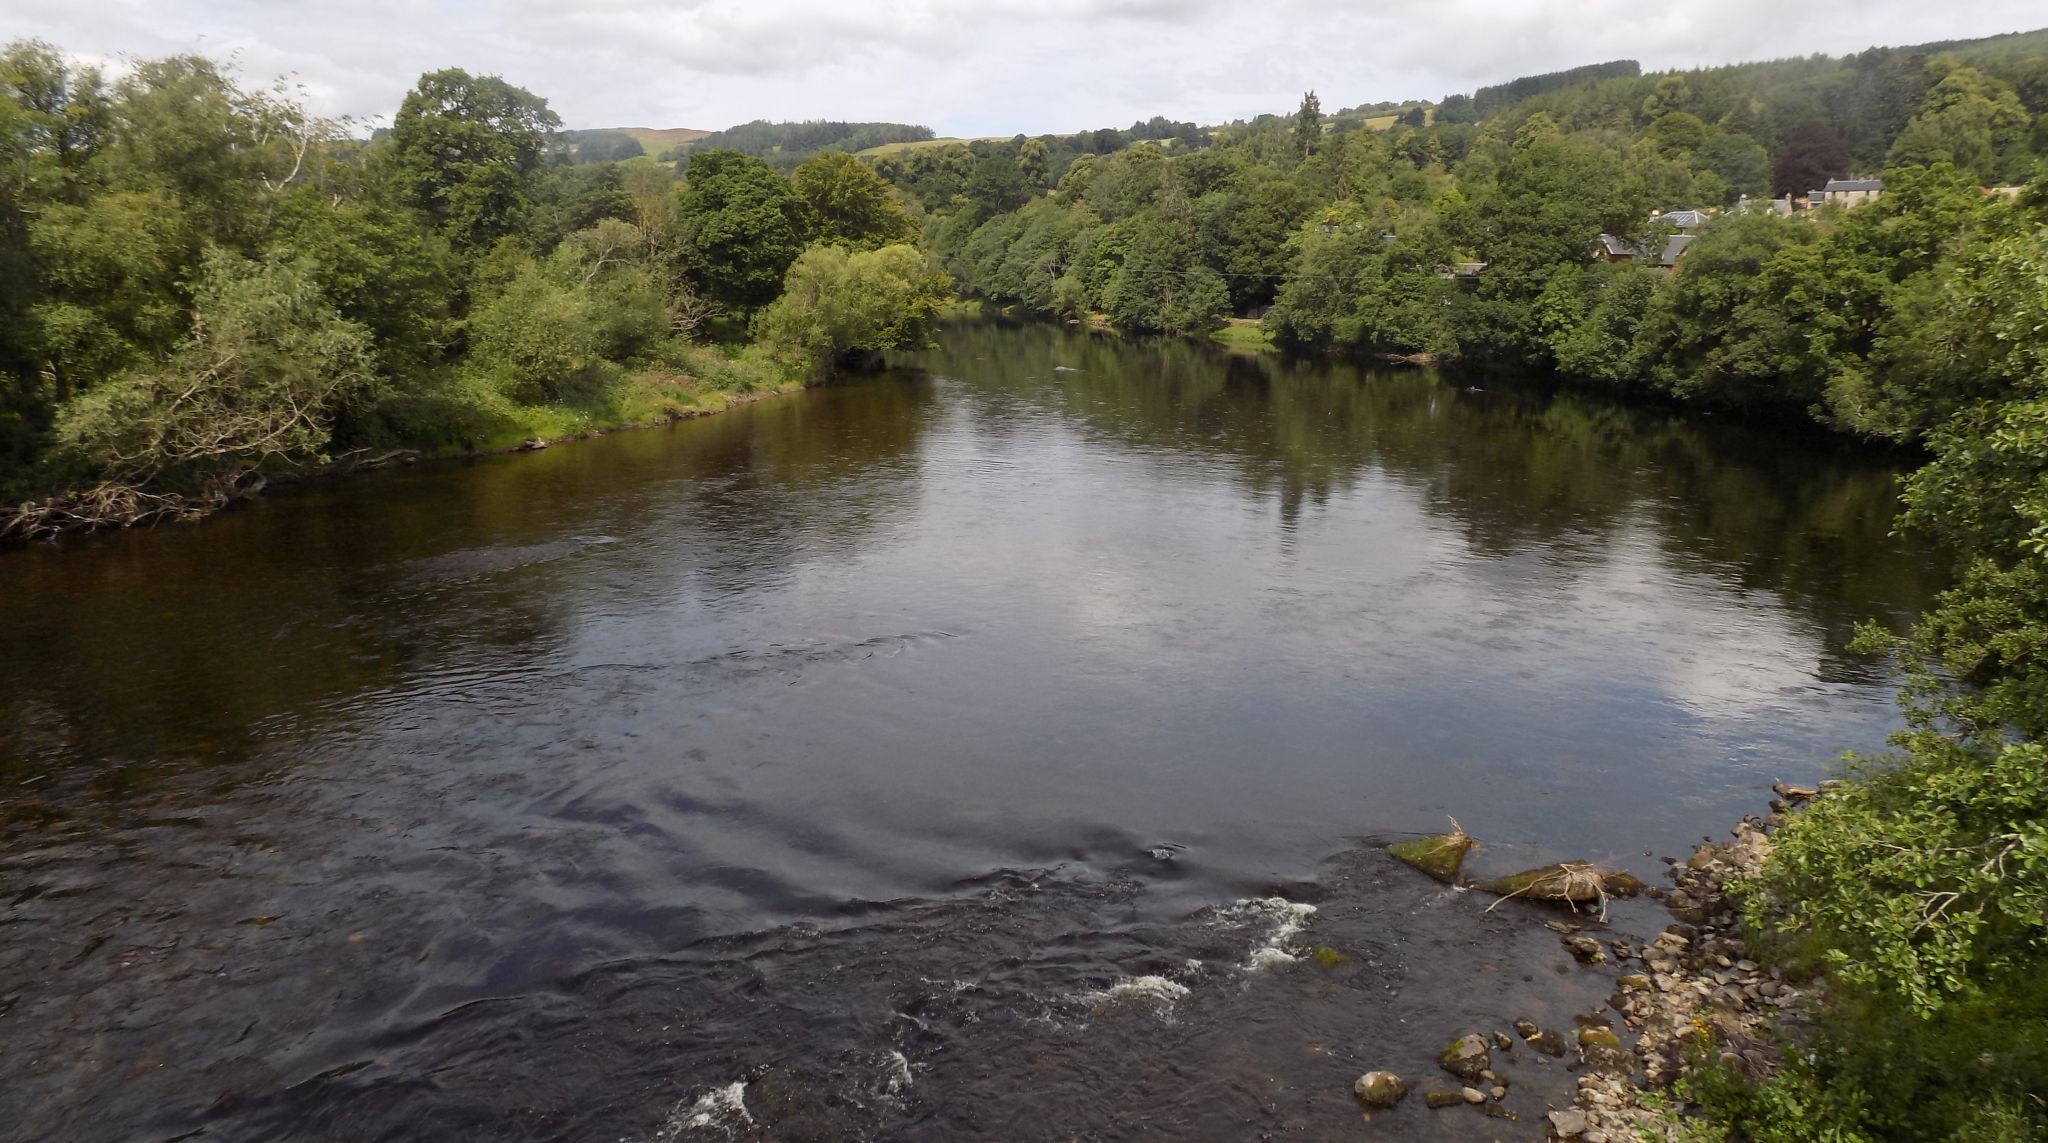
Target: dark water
[(900, 752)]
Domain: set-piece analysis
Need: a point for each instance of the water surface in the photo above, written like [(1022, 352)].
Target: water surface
[(853, 747)]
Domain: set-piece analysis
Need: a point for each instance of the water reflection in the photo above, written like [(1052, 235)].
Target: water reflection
[(285, 791)]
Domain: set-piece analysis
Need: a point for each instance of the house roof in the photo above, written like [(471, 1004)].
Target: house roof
[(1674, 245), (1855, 185), (1684, 218)]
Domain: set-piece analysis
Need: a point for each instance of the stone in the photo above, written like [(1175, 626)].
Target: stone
[(1598, 1038), (1633, 982), (1548, 1042), (1499, 1093), (1569, 1122), (1502, 1041), (1585, 949), (1380, 1089), (1441, 1099), (1569, 882), (1472, 1095), (1441, 856), (1465, 1057), (1526, 1028)]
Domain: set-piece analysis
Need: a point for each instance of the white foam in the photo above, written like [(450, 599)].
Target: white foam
[(1282, 918), (899, 1074), (1139, 989), (722, 1109)]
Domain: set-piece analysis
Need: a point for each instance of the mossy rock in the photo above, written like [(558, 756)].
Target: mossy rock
[(1441, 1099), (1328, 957), (1568, 882), (1380, 1090), (1440, 856), (1465, 1057)]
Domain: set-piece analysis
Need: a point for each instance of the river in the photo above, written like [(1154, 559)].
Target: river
[(958, 752)]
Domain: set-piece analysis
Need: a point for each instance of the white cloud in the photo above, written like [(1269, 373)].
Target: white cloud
[(968, 67)]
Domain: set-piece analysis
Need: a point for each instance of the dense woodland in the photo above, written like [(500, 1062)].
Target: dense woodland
[(202, 285), (205, 286)]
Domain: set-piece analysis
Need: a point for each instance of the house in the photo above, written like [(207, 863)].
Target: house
[(1685, 220), (1848, 192), (1673, 248), (1780, 206)]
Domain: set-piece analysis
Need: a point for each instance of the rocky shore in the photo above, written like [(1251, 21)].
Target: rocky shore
[(1693, 993)]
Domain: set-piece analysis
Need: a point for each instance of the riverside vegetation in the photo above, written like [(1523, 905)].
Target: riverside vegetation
[(205, 284), (1919, 890)]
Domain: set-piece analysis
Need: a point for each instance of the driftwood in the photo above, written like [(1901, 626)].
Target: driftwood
[(114, 505)]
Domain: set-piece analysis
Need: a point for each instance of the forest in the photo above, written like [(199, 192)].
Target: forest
[(206, 286), (203, 285)]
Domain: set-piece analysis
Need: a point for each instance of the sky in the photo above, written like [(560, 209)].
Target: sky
[(965, 67)]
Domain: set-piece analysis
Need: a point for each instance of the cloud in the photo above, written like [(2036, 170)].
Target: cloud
[(970, 67)]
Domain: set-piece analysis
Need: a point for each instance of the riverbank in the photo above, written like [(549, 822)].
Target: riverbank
[(643, 399), (1697, 1006)]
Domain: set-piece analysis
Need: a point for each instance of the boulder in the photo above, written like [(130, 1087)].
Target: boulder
[(1465, 1057), (1441, 856), (1380, 1090), (1571, 882), (1568, 1122)]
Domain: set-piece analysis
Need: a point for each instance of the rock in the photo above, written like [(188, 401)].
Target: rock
[(1380, 1089), (1571, 882), (1441, 856), (1633, 982), (1465, 1057), (1502, 1041), (1548, 1042), (1568, 1122), (1499, 1093), (1526, 1028), (1598, 1038), (532, 444), (1793, 793), (1585, 949), (1472, 1095), (1440, 1099)]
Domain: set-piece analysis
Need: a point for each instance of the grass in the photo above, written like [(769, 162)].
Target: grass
[(929, 145), (470, 414), (1244, 334)]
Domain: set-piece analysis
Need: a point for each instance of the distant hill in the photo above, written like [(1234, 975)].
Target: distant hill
[(659, 139)]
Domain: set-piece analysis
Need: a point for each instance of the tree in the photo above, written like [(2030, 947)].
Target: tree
[(742, 225), (850, 204), (1308, 126), (1970, 120), (1812, 154), (267, 365), (1741, 163), (839, 305), (468, 147)]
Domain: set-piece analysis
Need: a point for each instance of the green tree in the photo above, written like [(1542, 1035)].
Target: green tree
[(469, 148), (266, 367), (742, 226), (839, 306), (1308, 126), (1972, 121), (1741, 163), (850, 204)]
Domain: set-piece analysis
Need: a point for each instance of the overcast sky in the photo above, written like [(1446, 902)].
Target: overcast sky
[(968, 67)]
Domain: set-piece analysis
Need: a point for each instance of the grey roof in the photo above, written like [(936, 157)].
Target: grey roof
[(1674, 245), (1685, 218), (1855, 185)]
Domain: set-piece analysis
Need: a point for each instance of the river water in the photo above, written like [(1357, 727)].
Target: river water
[(969, 751)]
